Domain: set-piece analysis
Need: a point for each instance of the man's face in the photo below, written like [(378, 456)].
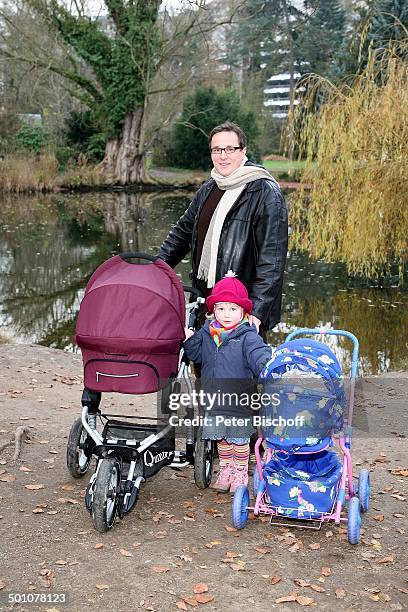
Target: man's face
[(223, 163)]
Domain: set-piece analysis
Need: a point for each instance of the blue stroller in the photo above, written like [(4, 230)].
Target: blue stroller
[(302, 478)]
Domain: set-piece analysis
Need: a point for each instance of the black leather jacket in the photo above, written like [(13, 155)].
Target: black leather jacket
[(253, 243)]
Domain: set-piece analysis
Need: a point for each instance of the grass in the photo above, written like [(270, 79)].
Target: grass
[(284, 166)]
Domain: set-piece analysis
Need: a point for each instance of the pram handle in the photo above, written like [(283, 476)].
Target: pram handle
[(139, 255), (192, 290)]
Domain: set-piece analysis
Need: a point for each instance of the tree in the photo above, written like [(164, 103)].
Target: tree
[(201, 112), (321, 40), (389, 22), (112, 64), (356, 150)]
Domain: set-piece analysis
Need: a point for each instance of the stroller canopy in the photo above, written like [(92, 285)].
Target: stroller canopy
[(128, 307), (304, 378)]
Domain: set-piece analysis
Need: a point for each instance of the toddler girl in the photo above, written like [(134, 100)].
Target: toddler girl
[(231, 353)]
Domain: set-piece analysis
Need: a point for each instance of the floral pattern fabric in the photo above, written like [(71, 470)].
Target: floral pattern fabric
[(303, 486)]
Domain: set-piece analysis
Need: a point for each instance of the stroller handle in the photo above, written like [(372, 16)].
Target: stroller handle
[(139, 255), (303, 331), (192, 290)]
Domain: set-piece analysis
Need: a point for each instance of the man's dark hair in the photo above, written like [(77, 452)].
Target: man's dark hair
[(229, 126)]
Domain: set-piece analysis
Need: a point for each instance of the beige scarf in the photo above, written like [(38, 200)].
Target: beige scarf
[(233, 185)]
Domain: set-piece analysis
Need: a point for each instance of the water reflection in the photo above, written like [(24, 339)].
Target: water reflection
[(49, 246)]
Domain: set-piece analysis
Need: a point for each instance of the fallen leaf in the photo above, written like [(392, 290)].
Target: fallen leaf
[(400, 472), (200, 587), (305, 601), (386, 560), (136, 544), (204, 598), (174, 521), (102, 587), (2, 585), (340, 593), (326, 571), (99, 546), (185, 558), (61, 562), (262, 550), (68, 487), (125, 553), (191, 601), (317, 588), (314, 546), (238, 566), (7, 478), (34, 487), (37, 511), (232, 555), (161, 534), (286, 598), (379, 518), (52, 512), (23, 468), (398, 515), (228, 528), (160, 569), (181, 605), (275, 579), (301, 582)]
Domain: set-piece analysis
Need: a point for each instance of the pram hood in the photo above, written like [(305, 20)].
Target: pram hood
[(130, 326), (132, 306), (307, 378)]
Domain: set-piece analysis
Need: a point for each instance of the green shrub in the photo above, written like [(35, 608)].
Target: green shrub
[(30, 138)]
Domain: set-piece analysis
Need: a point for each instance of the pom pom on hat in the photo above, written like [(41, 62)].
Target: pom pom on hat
[(229, 289)]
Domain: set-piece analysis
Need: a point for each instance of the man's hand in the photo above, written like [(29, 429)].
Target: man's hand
[(188, 332), (255, 321)]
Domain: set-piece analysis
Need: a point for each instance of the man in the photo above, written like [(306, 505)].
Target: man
[(237, 221)]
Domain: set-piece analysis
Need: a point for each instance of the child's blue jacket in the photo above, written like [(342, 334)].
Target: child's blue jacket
[(242, 354)]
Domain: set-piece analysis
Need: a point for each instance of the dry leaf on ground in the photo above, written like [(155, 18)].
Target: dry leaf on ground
[(160, 569), (326, 571), (200, 587), (125, 553)]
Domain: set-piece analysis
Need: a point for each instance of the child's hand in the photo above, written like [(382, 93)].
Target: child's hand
[(188, 332)]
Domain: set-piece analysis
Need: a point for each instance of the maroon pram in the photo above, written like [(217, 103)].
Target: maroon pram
[(131, 326), (130, 329)]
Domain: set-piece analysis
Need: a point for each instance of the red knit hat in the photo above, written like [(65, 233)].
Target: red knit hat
[(229, 289)]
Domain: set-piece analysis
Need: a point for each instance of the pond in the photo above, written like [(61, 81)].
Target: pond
[(50, 245)]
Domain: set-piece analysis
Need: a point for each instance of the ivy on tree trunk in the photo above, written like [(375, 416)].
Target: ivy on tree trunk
[(122, 50)]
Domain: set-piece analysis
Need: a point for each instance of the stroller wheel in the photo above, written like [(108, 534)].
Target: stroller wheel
[(364, 489), (256, 480), (240, 503), (203, 461), (106, 495), (79, 450), (354, 521)]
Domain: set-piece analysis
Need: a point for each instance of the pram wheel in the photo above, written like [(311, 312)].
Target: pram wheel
[(364, 489), (240, 503), (354, 521), (106, 495), (79, 450), (203, 461)]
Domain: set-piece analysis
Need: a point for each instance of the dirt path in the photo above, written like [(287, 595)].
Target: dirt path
[(178, 536)]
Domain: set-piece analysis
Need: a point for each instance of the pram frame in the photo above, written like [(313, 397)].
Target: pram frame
[(88, 442), (345, 490)]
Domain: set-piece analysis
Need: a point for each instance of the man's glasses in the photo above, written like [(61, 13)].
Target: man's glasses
[(228, 150)]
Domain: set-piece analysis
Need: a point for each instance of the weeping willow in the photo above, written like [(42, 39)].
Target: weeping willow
[(353, 207)]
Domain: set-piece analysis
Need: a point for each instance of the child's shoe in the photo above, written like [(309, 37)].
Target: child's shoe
[(240, 477), (225, 476)]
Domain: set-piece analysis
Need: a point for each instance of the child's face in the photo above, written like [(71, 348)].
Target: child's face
[(228, 314)]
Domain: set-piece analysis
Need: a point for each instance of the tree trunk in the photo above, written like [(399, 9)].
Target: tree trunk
[(124, 159)]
